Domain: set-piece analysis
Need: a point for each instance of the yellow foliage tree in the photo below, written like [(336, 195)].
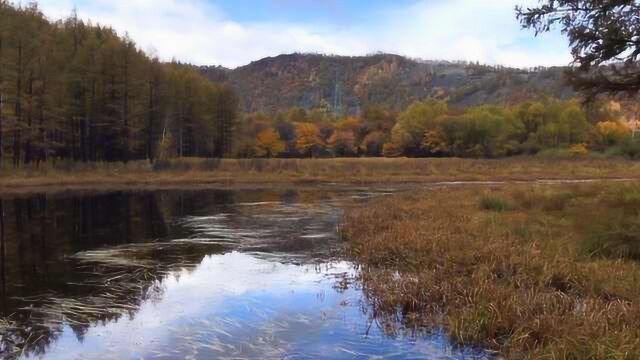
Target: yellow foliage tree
[(435, 141), (349, 124), (268, 143), (307, 138), (577, 150), (612, 131)]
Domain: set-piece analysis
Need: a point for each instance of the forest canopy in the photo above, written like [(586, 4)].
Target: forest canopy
[(78, 91), (431, 128)]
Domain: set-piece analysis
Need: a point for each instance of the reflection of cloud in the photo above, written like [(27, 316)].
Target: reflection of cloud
[(188, 298), (199, 32)]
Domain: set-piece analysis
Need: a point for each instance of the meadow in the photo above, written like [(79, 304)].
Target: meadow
[(234, 172), (529, 271)]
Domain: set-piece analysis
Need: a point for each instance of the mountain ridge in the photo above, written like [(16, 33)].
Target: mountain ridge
[(343, 84)]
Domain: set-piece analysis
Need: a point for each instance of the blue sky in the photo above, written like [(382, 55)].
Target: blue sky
[(235, 32)]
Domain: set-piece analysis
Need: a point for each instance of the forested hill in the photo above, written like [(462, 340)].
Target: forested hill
[(348, 83), (72, 90)]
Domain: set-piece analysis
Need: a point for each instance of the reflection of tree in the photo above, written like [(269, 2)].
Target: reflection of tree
[(3, 281), (65, 259), (37, 235)]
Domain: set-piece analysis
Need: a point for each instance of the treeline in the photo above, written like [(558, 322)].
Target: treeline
[(433, 129), (73, 90)]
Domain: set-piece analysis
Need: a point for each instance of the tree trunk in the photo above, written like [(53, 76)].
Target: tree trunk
[(27, 144), (1, 103), (125, 105), (18, 110), (151, 120), (1, 121)]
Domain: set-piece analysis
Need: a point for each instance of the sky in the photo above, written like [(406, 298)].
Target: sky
[(233, 33)]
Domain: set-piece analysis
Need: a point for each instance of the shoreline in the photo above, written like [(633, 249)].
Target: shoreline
[(251, 173), (109, 185)]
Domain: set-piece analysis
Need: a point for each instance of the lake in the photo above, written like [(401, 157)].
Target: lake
[(197, 274)]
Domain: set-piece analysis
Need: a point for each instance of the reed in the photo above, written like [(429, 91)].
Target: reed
[(523, 282)]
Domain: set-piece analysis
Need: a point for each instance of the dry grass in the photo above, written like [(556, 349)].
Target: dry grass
[(527, 280), (359, 170)]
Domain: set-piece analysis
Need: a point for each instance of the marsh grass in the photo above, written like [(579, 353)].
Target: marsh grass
[(347, 170), (524, 282), (494, 203)]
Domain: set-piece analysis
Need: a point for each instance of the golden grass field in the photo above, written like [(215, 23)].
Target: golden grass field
[(231, 172), (530, 271)]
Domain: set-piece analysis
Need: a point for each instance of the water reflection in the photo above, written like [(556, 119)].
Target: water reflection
[(177, 274)]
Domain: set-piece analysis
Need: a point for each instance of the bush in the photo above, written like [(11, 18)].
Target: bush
[(615, 232), (616, 236), (557, 201), (578, 150), (494, 204), (554, 153), (614, 151), (631, 148)]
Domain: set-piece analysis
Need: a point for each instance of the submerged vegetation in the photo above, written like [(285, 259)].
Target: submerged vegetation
[(529, 271)]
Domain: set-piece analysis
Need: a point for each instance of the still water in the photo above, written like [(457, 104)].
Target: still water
[(196, 274)]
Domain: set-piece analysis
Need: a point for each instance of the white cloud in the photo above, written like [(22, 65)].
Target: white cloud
[(198, 32), (474, 30)]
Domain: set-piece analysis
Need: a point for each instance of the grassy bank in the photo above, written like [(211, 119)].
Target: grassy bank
[(360, 170), (529, 271)]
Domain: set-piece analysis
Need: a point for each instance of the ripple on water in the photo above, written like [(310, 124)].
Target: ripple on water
[(205, 274)]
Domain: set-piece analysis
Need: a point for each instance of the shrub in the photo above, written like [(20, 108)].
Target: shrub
[(494, 204), (616, 236), (557, 201), (631, 148), (578, 150)]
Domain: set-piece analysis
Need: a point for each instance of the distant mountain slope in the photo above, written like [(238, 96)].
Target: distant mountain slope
[(347, 83)]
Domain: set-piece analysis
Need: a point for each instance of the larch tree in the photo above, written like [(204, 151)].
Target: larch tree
[(73, 90)]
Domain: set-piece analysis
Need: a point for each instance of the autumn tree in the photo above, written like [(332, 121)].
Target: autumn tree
[(484, 131), (308, 140), (268, 143), (408, 133), (612, 132), (73, 90), (346, 137)]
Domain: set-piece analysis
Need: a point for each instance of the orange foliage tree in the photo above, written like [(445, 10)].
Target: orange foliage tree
[(613, 132), (268, 143), (308, 140)]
